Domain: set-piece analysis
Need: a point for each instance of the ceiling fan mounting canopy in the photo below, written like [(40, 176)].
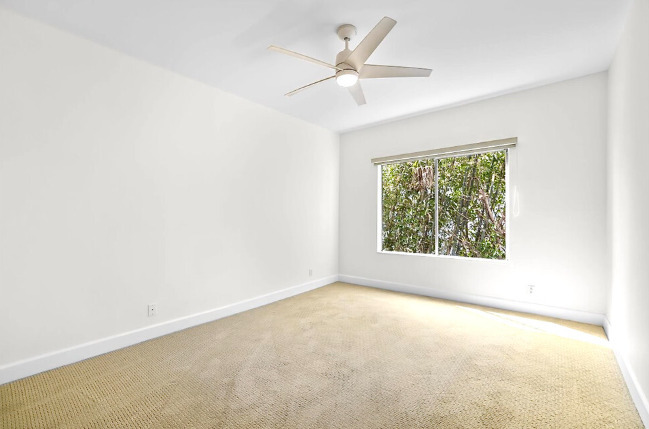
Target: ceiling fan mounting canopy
[(350, 64), (346, 31)]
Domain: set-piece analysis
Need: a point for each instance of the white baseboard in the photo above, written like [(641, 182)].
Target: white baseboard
[(635, 389), (45, 362), (524, 307), (607, 328)]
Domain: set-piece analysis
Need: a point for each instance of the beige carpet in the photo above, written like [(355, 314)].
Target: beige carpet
[(341, 357)]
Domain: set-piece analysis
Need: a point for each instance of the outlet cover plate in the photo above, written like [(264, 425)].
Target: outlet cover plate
[(152, 310)]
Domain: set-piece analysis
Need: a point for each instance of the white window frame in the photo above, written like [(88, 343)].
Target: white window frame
[(477, 148)]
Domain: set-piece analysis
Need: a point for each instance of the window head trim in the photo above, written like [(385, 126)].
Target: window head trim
[(468, 149)]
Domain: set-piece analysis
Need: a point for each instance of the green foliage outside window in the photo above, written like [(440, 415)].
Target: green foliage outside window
[(471, 199)]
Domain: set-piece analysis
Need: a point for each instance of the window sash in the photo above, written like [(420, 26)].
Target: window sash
[(501, 145)]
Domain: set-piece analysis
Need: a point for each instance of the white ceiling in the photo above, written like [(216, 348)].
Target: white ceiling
[(476, 48)]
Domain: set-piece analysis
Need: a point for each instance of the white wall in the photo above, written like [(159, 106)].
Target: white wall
[(122, 184), (557, 235), (628, 173)]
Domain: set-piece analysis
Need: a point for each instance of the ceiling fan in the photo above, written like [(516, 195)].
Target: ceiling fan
[(350, 65)]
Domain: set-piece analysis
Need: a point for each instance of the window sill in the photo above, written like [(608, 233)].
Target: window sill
[(431, 255)]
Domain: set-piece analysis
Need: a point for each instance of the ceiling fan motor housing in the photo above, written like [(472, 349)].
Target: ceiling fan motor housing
[(348, 75), (340, 60)]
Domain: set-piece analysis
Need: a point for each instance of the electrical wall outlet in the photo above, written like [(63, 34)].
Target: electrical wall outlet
[(152, 310), (310, 272), (530, 288)]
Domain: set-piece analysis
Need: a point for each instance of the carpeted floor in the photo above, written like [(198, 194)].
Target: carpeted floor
[(341, 356)]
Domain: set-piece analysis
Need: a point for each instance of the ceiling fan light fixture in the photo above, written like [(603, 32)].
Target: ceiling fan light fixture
[(347, 78)]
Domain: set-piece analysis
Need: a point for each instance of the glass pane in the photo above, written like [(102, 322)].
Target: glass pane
[(472, 205), (409, 206)]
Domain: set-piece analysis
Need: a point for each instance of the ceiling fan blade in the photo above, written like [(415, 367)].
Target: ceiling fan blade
[(357, 92), (303, 57), (372, 71), (364, 49), (295, 91)]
